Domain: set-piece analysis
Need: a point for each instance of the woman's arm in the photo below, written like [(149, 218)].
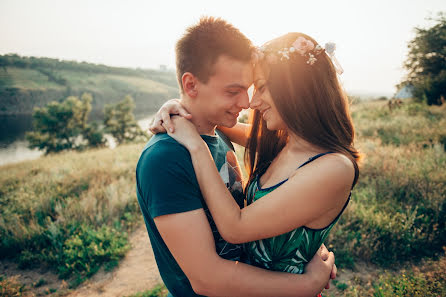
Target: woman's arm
[(284, 209), (238, 134), (162, 120)]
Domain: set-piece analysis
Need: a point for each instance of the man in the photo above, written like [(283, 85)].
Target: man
[(214, 73)]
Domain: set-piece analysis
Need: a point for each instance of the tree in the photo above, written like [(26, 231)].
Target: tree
[(426, 62), (120, 122), (64, 125)]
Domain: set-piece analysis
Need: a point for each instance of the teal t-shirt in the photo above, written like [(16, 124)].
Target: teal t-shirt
[(166, 184)]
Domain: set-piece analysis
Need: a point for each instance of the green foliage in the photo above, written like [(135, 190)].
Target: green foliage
[(414, 283), (29, 82), (58, 126), (87, 249), (426, 62), (71, 211), (398, 208), (426, 280), (120, 122), (64, 126), (157, 291), (10, 287), (49, 66), (243, 118)]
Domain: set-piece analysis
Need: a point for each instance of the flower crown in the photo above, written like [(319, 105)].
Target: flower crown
[(301, 46)]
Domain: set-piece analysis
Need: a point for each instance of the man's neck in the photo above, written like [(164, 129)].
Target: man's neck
[(198, 119)]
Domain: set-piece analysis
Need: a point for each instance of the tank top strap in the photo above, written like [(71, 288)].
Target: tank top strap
[(314, 158)]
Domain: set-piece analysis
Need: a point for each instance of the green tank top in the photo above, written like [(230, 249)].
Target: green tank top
[(288, 252)]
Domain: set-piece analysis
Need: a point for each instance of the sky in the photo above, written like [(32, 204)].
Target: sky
[(371, 36)]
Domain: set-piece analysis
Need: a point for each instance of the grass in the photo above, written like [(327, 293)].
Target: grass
[(23, 88), (27, 79), (73, 211), (10, 287), (157, 291)]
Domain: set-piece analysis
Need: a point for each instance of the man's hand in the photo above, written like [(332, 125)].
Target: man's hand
[(321, 268), (171, 107)]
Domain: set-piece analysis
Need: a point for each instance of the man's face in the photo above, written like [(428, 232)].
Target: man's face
[(225, 94)]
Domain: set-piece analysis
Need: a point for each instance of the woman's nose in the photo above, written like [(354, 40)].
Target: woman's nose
[(255, 102)]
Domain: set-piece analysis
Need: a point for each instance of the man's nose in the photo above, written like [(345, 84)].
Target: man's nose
[(255, 102), (244, 101)]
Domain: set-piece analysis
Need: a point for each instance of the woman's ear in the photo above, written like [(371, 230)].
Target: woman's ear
[(190, 83)]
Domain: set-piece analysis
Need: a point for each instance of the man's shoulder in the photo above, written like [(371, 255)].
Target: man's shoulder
[(165, 147), (162, 151)]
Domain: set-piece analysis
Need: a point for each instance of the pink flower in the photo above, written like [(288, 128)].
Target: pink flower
[(302, 45)]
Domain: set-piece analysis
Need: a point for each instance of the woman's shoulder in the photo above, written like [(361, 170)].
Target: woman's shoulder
[(331, 169)]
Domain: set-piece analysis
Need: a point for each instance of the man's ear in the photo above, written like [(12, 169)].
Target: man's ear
[(190, 84)]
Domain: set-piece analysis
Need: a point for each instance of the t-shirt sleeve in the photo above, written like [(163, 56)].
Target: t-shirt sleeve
[(167, 180)]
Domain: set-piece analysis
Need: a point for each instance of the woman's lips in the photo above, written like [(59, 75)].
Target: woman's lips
[(263, 112)]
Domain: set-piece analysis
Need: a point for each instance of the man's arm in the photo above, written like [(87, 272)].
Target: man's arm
[(189, 238)]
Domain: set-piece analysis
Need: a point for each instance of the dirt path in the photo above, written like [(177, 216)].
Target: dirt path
[(137, 272)]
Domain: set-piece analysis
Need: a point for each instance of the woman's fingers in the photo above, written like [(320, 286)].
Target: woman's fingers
[(156, 126), (167, 122), (183, 112)]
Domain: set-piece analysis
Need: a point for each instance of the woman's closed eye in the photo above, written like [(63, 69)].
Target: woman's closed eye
[(260, 88)]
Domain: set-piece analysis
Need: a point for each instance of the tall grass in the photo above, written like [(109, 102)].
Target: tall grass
[(398, 210), (71, 211)]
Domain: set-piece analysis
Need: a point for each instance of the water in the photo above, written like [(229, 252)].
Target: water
[(14, 147)]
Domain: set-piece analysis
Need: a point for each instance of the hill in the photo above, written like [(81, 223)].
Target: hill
[(28, 82), (73, 212)]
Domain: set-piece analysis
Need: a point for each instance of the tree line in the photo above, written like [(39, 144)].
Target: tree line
[(426, 62), (64, 125), (48, 65)]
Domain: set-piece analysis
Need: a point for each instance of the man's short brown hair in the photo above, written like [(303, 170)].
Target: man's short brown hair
[(201, 45)]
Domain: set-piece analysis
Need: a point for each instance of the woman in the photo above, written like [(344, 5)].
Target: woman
[(300, 157)]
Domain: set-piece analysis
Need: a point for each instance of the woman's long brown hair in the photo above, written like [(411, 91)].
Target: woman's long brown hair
[(310, 101)]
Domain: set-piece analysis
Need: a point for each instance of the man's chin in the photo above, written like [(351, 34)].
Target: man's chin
[(230, 123)]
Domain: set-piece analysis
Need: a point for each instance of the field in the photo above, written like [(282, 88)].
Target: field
[(23, 89), (73, 212)]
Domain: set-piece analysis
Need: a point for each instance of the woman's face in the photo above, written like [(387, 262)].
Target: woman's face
[(263, 102)]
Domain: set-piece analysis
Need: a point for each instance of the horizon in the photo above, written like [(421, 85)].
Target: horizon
[(142, 34)]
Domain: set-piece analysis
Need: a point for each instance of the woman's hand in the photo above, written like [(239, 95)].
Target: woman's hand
[(185, 133), (163, 116)]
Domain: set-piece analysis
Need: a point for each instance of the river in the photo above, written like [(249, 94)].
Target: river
[(13, 145)]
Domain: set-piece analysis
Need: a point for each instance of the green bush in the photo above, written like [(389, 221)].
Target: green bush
[(414, 283), (71, 211), (10, 287), (87, 249), (157, 291), (398, 210), (398, 207)]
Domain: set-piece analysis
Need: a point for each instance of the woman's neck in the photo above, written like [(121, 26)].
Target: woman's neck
[(296, 144)]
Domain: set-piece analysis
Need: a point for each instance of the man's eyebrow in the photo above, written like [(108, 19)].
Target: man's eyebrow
[(236, 86)]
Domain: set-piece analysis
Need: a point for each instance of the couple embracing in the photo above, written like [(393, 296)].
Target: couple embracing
[(214, 234)]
